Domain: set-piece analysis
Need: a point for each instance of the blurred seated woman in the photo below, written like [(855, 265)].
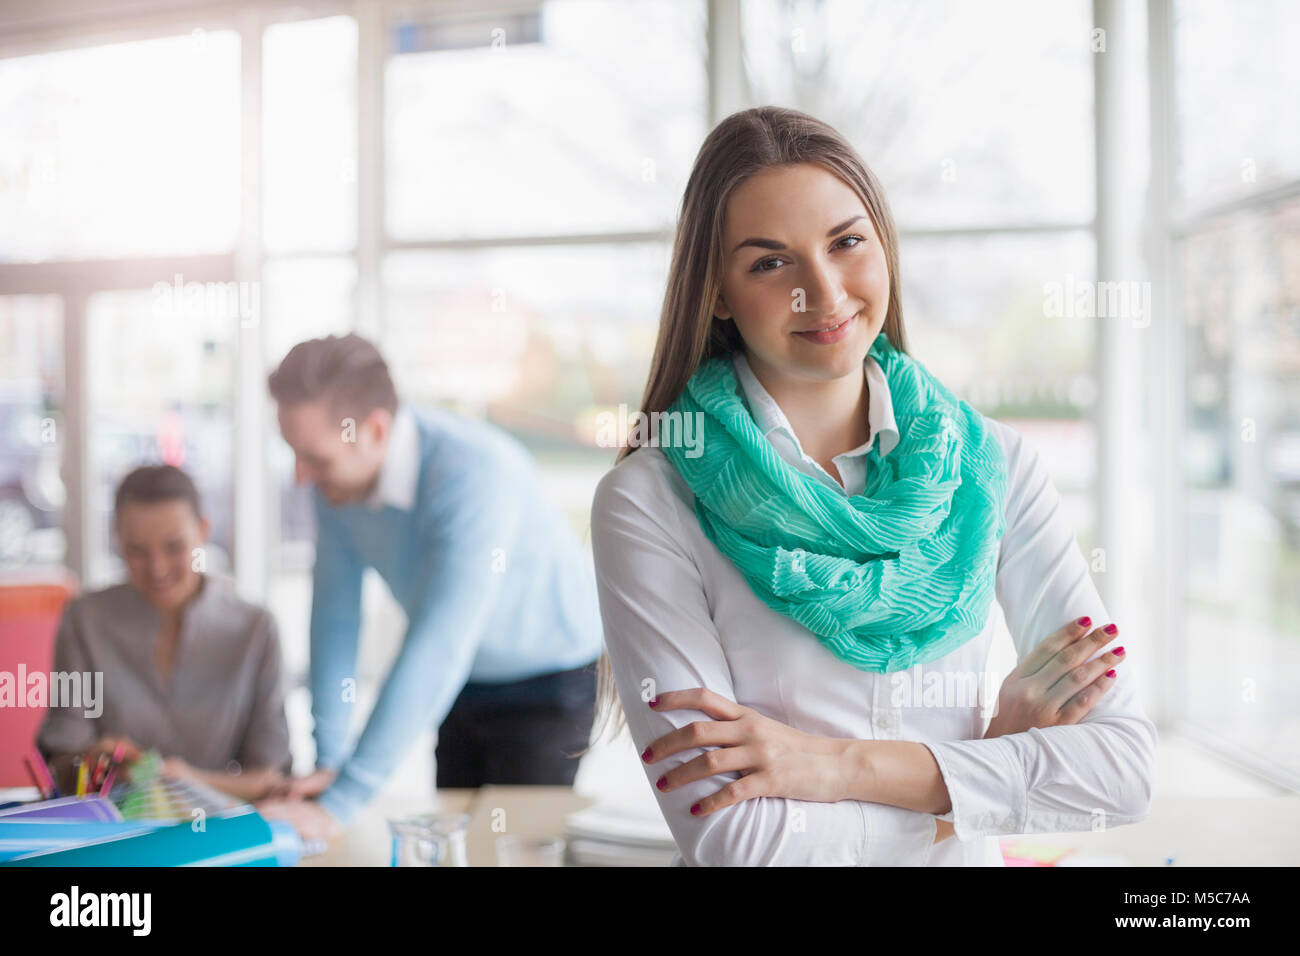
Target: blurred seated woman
[(189, 669)]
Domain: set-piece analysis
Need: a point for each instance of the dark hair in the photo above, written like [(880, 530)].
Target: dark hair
[(149, 484), (346, 371)]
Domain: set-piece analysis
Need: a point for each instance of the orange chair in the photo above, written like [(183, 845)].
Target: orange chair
[(30, 609)]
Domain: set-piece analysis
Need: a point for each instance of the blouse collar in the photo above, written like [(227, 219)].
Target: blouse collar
[(769, 416)]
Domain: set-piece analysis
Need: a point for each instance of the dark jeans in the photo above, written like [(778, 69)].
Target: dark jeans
[(519, 732)]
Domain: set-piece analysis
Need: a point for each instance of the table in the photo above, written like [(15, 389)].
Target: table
[(1193, 831), (494, 809), (1200, 831)]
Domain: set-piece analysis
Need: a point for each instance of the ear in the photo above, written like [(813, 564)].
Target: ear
[(720, 310), (379, 425), (205, 529)]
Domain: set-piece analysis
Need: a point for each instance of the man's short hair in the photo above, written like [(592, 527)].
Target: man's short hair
[(150, 484), (346, 371)]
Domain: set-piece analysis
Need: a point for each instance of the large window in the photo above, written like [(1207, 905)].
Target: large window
[(583, 118), (973, 115), (1237, 268), (100, 156), (102, 162)]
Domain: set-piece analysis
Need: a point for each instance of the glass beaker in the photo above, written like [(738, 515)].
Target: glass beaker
[(430, 839)]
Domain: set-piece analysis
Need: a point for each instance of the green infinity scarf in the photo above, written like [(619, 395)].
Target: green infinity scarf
[(897, 576)]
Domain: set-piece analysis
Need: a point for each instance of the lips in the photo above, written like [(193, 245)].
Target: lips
[(829, 333), (830, 327)]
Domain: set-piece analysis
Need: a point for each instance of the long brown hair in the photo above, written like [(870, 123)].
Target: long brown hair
[(737, 148)]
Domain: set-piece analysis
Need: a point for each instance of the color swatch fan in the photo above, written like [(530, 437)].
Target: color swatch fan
[(149, 795)]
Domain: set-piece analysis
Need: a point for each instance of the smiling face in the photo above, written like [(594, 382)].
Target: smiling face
[(792, 228), (158, 540), (342, 461)]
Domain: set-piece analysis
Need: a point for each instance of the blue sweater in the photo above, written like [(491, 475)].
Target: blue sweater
[(495, 585)]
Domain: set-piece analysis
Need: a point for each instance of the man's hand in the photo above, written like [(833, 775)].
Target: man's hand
[(301, 788), (309, 818)]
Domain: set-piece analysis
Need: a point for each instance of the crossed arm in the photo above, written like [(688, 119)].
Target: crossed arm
[(1057, 684)]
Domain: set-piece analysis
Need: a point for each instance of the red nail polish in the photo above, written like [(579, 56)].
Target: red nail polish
[(1110, 673), (1084, 621), (1111, 629), (1118, 652), (654, 702), (661, 782), (695, 808), (646, 755)]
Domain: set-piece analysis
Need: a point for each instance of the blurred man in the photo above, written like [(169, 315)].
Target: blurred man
[(503, 628)]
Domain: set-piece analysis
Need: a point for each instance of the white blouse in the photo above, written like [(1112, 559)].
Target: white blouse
[(678, 614)]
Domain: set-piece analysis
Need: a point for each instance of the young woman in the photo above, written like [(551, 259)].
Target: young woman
[(188, 668), (797, 570)]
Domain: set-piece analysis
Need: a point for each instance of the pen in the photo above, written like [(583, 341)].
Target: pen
[(36, 778), (41, 769), (118, 751), (97, 775), (82, 774)]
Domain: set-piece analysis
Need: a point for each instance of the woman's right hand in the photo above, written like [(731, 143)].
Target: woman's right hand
[(65, 766), (108, 745), (1053, 685)]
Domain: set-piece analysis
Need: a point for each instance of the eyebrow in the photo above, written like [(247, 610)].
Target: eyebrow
[(773, 244)]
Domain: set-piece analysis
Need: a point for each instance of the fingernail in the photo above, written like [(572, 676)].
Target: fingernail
[(661, 782), (654, 702), (1084, 621), (1118, 652), (646, 755), (1110, 673), (695, 808), (1111, 629)]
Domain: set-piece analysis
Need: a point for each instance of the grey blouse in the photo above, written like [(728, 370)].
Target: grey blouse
[(224, 701)]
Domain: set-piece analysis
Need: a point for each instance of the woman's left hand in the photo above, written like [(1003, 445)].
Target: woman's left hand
[(774, 759), (178, 769)]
